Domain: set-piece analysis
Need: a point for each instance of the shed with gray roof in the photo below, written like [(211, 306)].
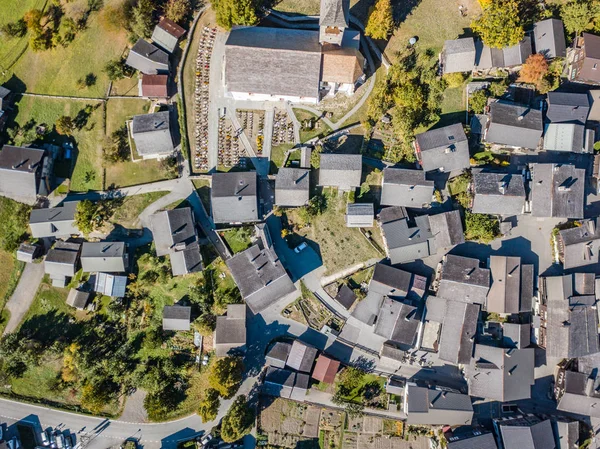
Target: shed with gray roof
[(474, 441), (502, 374), (175, 235), (435, 407), (230, 332), (265, 63), (278, 353), (292, 187), (21, 172), (176, 318), (403, 187), (558, 190), (444, 149), (404, 240), (549, 38), (301, 357), (148, 59), (61, 262), (343, 171), (514, 125), (28, 253), (498, 193), (360, 215), (78, 298), (152, 135), (108, 257), (458, 55), (234, 197), (166, 34), (54, 222)]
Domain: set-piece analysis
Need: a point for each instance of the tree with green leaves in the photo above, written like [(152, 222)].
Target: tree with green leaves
[(579, 15), (95, 396), (90, 215), (478, 101), (238, 421), (225, 375), (209, 405), (481, 227), (116, 148), (115, 69), (65, 125), (500, 24), (381, 20), (14, 29), (177, 10), (235, 12), (142, 23), (14, 217)]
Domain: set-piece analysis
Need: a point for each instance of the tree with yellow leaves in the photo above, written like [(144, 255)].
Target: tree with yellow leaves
[(381, 20)]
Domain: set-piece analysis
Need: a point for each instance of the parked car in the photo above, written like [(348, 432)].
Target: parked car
[(44, 438), (68, 441), (52, 439), (14, 443), (300, 247), (60, 441), (205, 439), (1, 432)]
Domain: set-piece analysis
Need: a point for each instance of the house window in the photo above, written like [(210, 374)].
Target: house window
[(595, 67)]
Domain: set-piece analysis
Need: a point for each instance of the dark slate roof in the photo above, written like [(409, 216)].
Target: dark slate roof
[(581, 394), (397, 322), (151, 133), (292, 186), (78, 298), (458, 332), (464, 280), (500, 373), (54, 222), (447, 229), (567, 107), (104, 256), (435, 407), (549, 38), (458, 55), (505, 293), (273, 61), (147, 58), (334, 13), (279, 351), (402, 187), (20, 159), (580, 244), (234, 197), (482, 441), (301, 357), (516, 335), (404, 241), (528, 432), (572, 321), (444, 148), (280, 377), (176, 318), (148, 123), (360, 214), (514, 125), (64, 253), (346, 297), (498, 193), (558, 191), (390, 281), (340, 170)]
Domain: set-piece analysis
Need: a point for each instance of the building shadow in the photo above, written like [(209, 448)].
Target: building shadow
[(172, 441), (260, 335)]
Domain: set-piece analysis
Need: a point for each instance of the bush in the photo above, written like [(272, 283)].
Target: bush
[(209, 406), (14, 217), (481, 227), (478, 101), (455, 79), (225, 375), (14, 29), (238, 420)]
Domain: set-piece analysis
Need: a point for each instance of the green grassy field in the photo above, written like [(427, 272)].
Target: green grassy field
[(127, 213), (203, 188), (320, 128), (57, 70), (238, 239), (118, 110)]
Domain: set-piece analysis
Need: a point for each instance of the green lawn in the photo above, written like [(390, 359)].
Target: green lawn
[(203, 188), (118, 110), (127, 213), (320, 128), (238, 239), (57, 70), (278, 153)]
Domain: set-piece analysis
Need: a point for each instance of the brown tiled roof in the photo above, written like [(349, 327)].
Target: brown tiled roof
[(154, 85), (171, 27), (325, 369), (341, 64)]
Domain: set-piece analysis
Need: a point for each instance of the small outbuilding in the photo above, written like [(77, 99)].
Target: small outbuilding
[(325, 369), (152, 135), (360, 215), (78, 298), (167, 34), (148, 59), (176, 318)]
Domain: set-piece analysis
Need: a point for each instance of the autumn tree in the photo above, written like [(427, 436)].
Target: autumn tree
[(381, 20), (578, 15), (238, 420), (478, 101), (94, 396), (500, 24), (225, 375), (33, 19), (69, 370), (235, 12), (176, 10), (534, 69), (89, 216), (65, 125), (209, 406), (141, 22)]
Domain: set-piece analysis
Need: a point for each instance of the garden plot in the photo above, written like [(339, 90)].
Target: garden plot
[(288, 423)]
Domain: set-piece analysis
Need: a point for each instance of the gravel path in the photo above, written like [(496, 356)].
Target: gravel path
[(22, 298)]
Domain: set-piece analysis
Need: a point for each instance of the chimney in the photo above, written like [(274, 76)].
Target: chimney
[(520, 117), (589, 387), (502, 188), (240, 186), (591, 224)]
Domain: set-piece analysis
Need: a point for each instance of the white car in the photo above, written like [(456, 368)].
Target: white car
[(52, 440), (44, 438), (205, 439), (60, 441), (300, 247)]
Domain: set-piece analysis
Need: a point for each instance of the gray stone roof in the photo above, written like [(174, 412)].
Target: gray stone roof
[(301, 357), (340, 170), (54, 222), (278, 354), (458, 55), (566, 433), (390, 281), (500, 373), (463, 279), (78, 298), (572, 320), (346, 297), (292, 187), (174, 234), (108, 257), (567, 107), (514, 125), (481, 441), (273, 61), (435, 407), (360, 215), (507, 287), (498, 193), (406, 241), (278, 382), (152, 135), (19, 172), (528, 432), (549, 38), (459, 327), (558, 191), (260, 276), (398, 322), (488, 58), (402, 187), (580, 394), (580, 245), (445, 149), (166, 34), (447, 229), (234, 197), (230, 331), (176, 318), (62, 259), (516, 335), (147, 58), (334, 13)]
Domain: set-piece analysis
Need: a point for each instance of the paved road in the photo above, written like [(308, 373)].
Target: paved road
[(23, 296)]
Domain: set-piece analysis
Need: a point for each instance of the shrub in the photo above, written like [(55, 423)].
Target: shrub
[(455, 79)]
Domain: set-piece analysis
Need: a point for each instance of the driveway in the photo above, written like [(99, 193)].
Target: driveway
[(22, 298)]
